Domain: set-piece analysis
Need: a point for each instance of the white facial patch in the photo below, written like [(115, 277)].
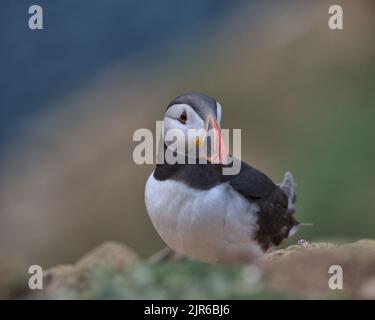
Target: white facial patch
[(193, 123)]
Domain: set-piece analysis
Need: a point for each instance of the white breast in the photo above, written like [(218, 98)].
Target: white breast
[(212, 225)]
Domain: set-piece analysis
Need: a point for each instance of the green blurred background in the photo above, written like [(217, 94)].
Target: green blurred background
[(73, 94)]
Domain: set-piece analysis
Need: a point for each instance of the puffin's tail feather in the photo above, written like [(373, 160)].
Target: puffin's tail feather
[(287, 185)]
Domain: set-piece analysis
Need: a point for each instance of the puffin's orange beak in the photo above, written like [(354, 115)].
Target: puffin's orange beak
[(220, 154)]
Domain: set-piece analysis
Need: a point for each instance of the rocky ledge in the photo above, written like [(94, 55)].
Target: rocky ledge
[(114, 271)]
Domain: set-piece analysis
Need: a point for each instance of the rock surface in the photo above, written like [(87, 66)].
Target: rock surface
[(114, 255), (304, 270), (299, 271)]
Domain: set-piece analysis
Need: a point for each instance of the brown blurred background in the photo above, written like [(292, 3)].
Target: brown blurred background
[(302, 94)]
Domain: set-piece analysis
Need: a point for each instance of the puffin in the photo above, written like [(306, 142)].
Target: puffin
[(200, 212)]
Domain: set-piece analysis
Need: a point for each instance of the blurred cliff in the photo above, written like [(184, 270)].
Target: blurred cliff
[(73, 95)]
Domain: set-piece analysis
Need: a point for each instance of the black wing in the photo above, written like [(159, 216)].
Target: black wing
[(252, 183)]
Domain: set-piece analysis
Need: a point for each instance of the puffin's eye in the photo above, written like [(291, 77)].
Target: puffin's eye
[(183, 117)]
